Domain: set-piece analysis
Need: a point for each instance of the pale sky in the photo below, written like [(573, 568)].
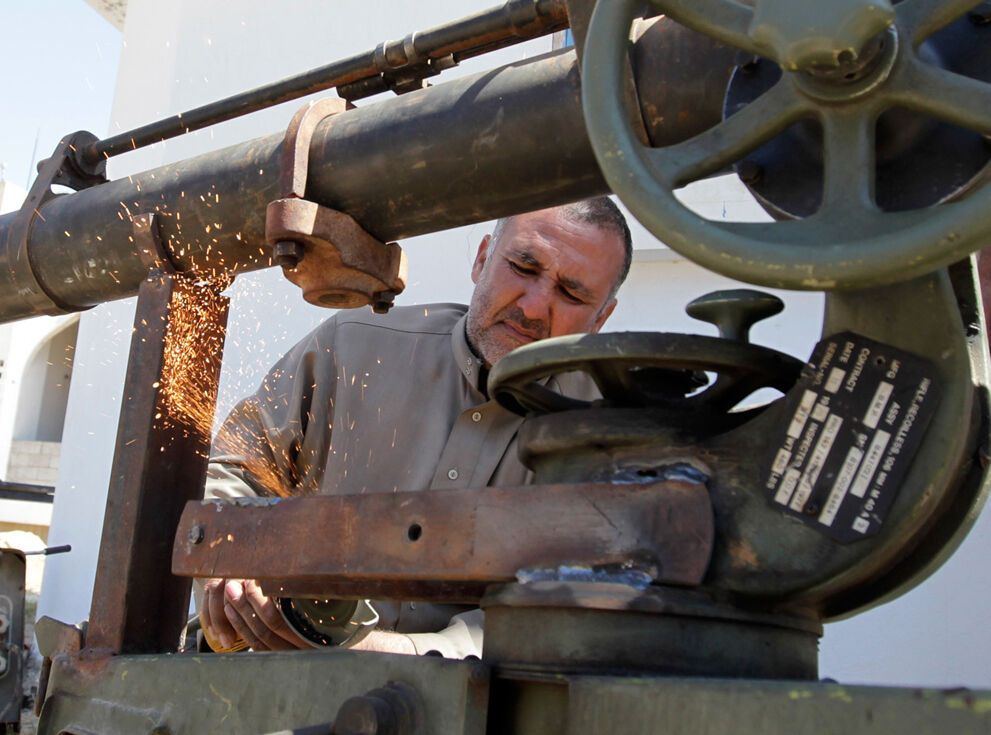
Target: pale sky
[(58, 63)]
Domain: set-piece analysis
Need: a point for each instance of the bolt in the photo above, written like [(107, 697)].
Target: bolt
[(382, 301), (196, 534), (390, 710), (362, 715), (981, 15), (749, 172), (746, 62), (287, 253)]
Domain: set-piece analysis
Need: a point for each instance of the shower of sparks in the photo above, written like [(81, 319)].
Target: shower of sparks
[(194, 343)]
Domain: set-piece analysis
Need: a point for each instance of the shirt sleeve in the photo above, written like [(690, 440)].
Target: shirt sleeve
[(272, 443), (462, 638)]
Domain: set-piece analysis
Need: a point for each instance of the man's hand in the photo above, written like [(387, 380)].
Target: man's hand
[(236, 608)]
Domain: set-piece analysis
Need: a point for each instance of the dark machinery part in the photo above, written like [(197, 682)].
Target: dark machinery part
[(920, 161), (325, 622), (838, 73), (12, 650), (19, 279), (659, 372)]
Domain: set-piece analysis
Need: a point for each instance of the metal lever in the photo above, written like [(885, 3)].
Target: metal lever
[(735, 311)]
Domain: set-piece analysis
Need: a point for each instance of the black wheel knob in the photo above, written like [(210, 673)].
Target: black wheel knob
[(735, 311)]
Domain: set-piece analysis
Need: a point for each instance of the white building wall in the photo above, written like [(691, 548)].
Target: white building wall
[(35, 365), (184, 53)]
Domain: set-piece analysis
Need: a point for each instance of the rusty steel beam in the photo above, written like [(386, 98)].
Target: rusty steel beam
[(484, 146), (447, 544), (163, 440)]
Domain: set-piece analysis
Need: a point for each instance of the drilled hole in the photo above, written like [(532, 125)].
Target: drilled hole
[(414, 532)]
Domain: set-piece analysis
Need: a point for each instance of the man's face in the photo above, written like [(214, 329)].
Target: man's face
[(545, 277)]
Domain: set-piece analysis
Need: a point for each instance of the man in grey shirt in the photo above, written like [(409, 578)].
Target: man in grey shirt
[(398, 403)]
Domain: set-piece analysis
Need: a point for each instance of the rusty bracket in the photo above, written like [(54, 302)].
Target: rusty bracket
[(447, 544), (61, 168), (327, 253)]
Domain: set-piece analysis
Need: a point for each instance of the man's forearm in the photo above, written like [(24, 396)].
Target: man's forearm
[(385, 642)]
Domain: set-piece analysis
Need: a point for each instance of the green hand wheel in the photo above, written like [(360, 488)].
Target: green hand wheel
[(844, 63)]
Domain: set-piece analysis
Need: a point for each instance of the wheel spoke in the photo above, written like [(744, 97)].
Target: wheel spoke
[(848, 162), (922, 18), (723, 20), (947, 96), (724, 144)]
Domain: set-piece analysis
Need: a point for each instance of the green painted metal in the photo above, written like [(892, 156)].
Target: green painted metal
[(849, 243), (251, 693), (807, 36), (264, 693), (693, 707), (760, 552)]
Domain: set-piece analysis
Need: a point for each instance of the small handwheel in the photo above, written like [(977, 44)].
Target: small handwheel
[(849, 242), (641, 370)]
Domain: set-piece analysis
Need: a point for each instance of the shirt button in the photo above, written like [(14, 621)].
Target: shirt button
[(452, 474), (476, 416)]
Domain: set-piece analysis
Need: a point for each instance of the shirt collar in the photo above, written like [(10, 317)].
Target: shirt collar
[(468, 363)]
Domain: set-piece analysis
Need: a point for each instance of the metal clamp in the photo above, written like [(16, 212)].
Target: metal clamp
[(148, 240), (344, 266), (17, 272)]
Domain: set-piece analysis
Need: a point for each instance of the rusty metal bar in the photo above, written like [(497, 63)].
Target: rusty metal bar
[(447, 544), (512, 22), (385, 165), (163, 439)]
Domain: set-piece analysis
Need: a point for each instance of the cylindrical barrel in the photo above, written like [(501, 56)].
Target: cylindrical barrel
[(497, 143)]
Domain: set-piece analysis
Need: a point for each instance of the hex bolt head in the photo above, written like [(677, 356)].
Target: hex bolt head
[(390, 710), (287, 253), (361, 715), (196, 534), (749, 171)]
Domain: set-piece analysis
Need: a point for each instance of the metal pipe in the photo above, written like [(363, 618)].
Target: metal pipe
[(490, 145), (498, 27)]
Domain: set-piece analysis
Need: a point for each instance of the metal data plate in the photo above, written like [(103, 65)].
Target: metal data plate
[(858, 416)]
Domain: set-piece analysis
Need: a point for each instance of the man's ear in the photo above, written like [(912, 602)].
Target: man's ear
[(603, 315), (480, 257)]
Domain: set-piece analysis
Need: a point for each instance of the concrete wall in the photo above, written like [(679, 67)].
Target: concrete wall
[(185, 53), (34, 462)]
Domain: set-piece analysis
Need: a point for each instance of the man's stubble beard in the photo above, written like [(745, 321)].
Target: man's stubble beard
[(482, 339)]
